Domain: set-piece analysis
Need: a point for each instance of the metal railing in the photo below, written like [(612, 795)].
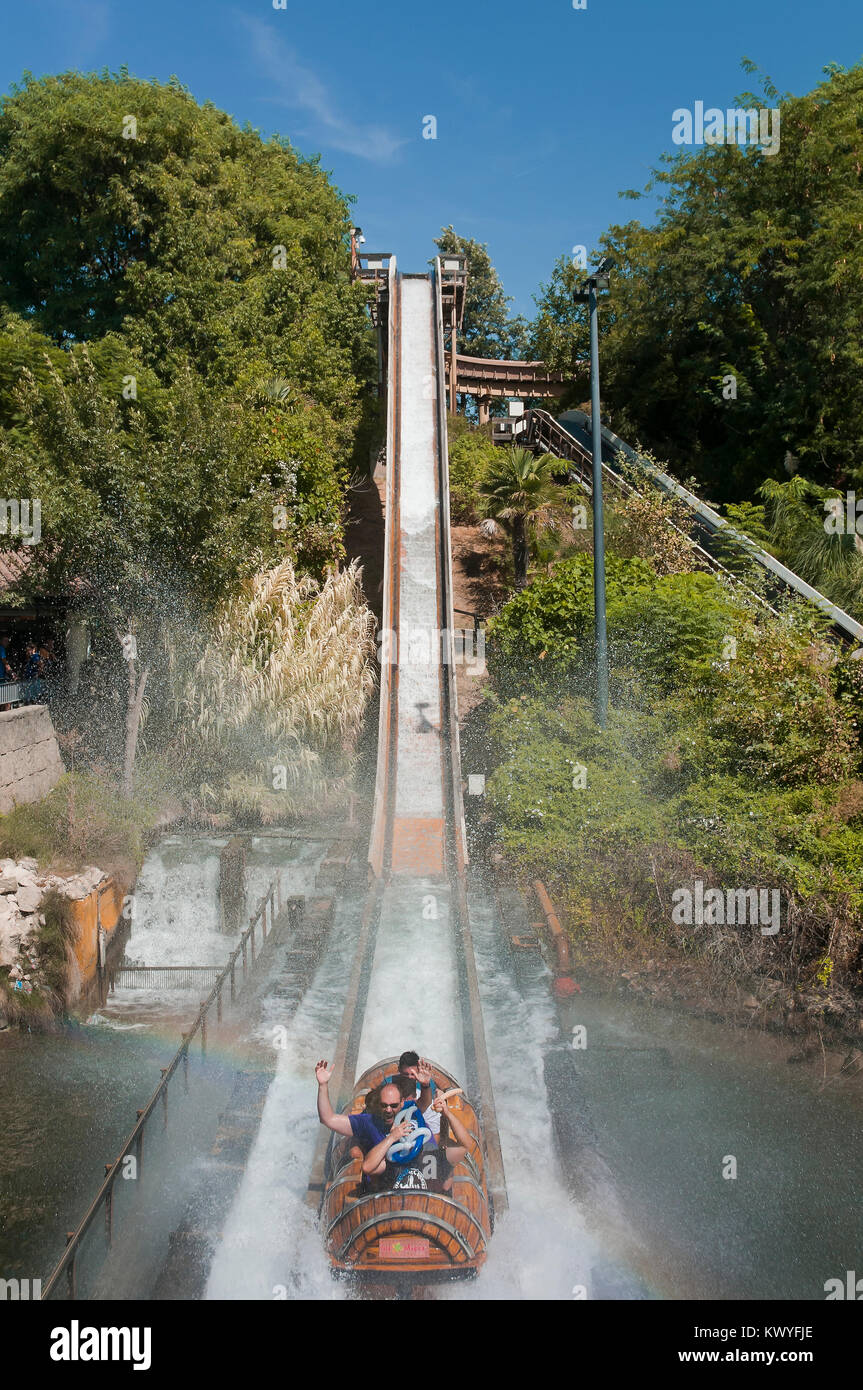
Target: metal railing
[(63, 1280), (162, 976), (557, 437), (21, 692), (468, 613), (544, 432)]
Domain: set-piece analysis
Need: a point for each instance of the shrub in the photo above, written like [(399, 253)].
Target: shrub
[(732, 753), (471, 452), (83, 820)]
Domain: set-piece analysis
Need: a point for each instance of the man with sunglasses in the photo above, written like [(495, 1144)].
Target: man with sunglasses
[(374, 1133)]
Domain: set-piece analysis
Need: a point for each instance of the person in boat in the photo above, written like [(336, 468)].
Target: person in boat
[(418, 1070), (390, 1156)]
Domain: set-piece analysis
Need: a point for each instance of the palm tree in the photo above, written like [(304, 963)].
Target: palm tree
[(275, 388), (521, 496), (832, 562)]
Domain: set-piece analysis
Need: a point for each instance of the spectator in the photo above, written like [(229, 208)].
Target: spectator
[(30, 674), (47, 658)]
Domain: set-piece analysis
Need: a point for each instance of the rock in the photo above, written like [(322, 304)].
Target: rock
[(8, 883), (750, 1002), (82, 885), (31, 864), (9, 944), (9, 931), (28, 897)]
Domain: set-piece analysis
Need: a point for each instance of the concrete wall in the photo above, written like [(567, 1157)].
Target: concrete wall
[(102, 908), (30, 762)]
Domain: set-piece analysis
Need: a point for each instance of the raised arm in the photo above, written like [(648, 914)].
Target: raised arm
[(340, 1124), (455, 1152), (424, 1081)]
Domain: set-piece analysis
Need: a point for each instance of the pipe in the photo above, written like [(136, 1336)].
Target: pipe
[(564, 983)]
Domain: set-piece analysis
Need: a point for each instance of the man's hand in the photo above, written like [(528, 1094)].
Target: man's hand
[(323, 1072), (423, 1072), (399, 1131)]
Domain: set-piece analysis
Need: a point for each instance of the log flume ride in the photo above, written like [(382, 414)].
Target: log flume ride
[(407, 1231), (413, 980)]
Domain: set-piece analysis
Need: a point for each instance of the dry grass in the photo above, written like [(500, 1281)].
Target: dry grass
[(283, 681)]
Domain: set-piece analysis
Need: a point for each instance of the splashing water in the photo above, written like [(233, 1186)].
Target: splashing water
[(271, 1246)]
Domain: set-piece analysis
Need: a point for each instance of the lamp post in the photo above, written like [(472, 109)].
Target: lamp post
[(598, 280)]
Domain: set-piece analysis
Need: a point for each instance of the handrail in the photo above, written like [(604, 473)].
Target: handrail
[(715, 524), (11, 692), (544, 430), (176, 976), (66, 1263)]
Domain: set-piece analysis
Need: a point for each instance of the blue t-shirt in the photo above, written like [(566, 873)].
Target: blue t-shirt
[(368, 1131)]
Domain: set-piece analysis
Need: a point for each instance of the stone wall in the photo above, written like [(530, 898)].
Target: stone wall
[(30, 762)]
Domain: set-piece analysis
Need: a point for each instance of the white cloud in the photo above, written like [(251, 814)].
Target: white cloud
[(300, 89)]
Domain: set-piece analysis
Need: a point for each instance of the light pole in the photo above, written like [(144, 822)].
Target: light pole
[(598, 280)]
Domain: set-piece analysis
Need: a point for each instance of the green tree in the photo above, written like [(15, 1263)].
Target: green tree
[(520, 493), (487, 329), (148, 515), (158, 265), (817, 546), (127, 209), (125, 202), (730, 337), (471, 453)]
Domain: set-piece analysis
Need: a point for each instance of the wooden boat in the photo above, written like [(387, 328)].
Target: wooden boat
[(428, 1236)]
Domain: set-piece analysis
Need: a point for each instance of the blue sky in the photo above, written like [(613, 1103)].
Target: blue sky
[(544, 113)]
